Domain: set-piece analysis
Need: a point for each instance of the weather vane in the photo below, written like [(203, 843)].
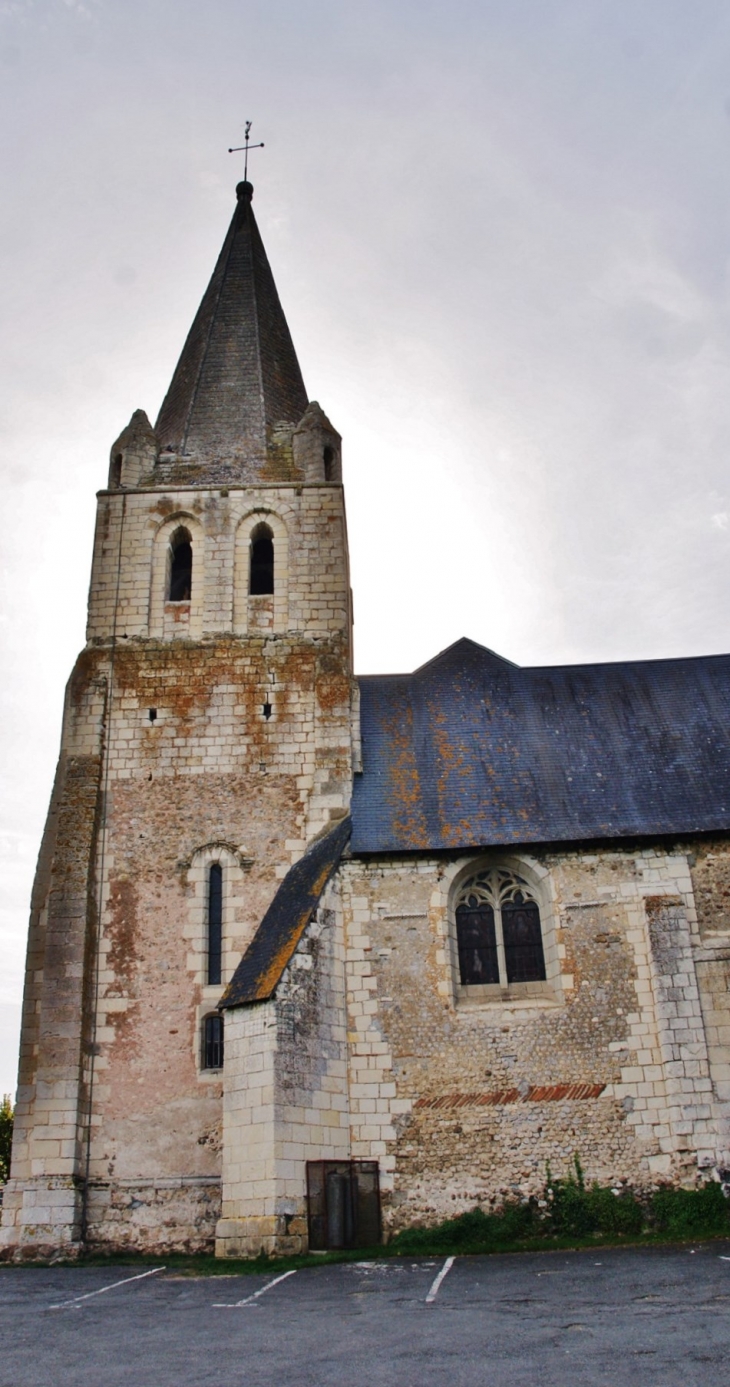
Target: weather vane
[(245, 147)]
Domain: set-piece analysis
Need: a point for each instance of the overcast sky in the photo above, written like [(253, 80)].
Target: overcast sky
[(500, 232)]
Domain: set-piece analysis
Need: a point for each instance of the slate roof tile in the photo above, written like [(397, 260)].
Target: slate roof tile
[(471, 750), (286, 919)]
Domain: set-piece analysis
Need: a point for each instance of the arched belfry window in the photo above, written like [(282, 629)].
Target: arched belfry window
[(262, 561), (212, 1042), (215, 923), (181, 567), (498, 930)]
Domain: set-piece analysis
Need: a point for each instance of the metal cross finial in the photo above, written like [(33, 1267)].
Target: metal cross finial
[(245, 147)]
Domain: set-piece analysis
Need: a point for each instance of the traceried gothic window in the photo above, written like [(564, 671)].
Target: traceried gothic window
[(212, 1042), (215, 923), (262, 561), (181, 567), (498, 930)]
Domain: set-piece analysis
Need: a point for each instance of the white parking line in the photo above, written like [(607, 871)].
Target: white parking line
[(236, 1304), (103, 1289), (436, 1285)]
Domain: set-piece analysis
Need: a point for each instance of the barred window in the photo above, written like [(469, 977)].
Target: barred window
[(498, 930), (215, 923), (212, 1042)]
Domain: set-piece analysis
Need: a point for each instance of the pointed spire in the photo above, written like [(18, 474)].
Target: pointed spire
[(237, 383)]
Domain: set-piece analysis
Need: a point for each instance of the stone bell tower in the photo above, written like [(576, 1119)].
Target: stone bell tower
[(206, 742)]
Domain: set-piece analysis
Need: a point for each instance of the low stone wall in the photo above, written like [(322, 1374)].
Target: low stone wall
[(160, 1215)]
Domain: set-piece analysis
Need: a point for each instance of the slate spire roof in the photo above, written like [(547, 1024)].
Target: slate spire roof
[(238, 379)]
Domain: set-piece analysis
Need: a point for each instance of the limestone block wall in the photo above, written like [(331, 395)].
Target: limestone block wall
[(286, 1095), (465, 1101), (131, 558)]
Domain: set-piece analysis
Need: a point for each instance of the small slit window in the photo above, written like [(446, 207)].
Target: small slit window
[(215, 923), (498, 930), (212, 1042), (262, 562), (181, 567), (328, 458)]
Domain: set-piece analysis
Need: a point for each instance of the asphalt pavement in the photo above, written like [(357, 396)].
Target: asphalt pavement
[(625, 1317)]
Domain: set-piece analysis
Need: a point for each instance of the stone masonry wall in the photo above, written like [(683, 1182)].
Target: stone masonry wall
[(466, 1101), (133, 531)]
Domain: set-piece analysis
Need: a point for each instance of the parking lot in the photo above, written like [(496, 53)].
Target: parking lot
[(620, 1316)]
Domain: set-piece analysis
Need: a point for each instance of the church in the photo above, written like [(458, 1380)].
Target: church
[(315, 957)]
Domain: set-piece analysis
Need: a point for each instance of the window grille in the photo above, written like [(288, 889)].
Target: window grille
[(498, 931), (212, 1056), (215, 923)]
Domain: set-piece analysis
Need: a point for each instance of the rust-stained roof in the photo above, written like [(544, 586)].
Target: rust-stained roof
[(471, 750), (286, 920)]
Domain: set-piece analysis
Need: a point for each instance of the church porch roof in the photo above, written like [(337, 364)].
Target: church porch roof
[(286, 919)]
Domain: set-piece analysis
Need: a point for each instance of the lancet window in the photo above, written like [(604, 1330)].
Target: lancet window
[(215, 923), (262, 561), (498, 930), (181, 567)]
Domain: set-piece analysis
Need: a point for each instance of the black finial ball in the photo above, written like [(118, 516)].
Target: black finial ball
[(244, 192)]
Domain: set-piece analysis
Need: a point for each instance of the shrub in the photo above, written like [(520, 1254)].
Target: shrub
[(615, 1214), (474, 1231), (691, 1213)]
